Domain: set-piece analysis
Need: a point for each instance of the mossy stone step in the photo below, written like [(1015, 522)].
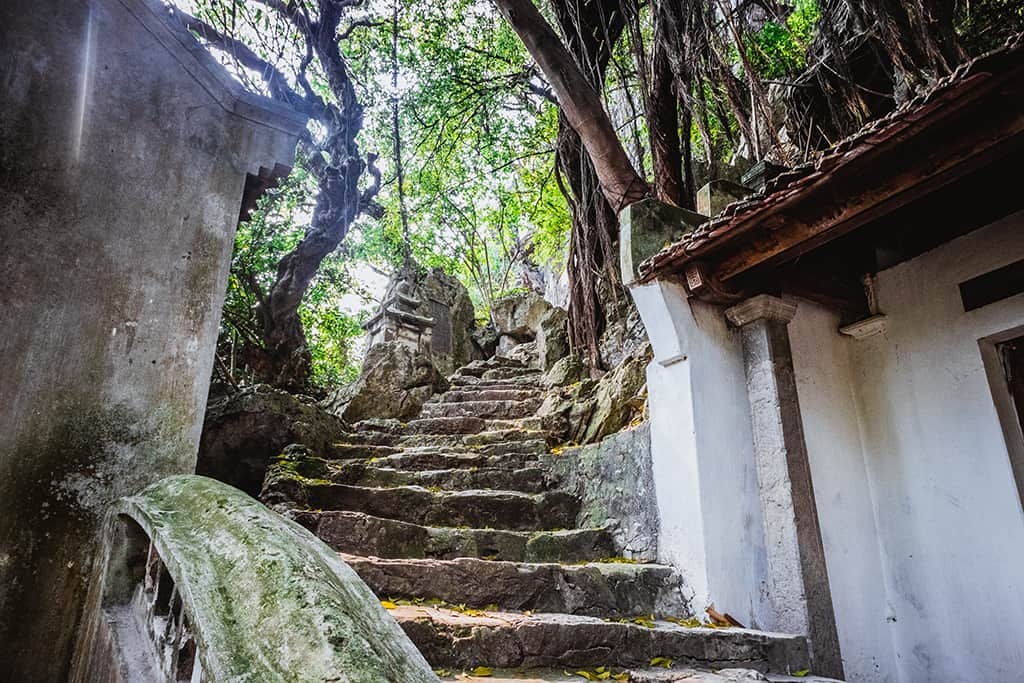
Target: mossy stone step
[(466, 394), (504, 409), (352, 451), (500, 441), (512, 474), (470, 425), (361, 534), (453, 460), (515, 373), (529, 381), (525, 479), (478, 367), (450, 639), (597, 589), (657, 675), (476, 508)]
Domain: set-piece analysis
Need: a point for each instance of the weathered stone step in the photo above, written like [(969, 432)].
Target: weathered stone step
[(478, 367), (599, 589), (658, 675), (501, 441), (530, 381), (369, 437), (469, 425), (356, 450), (674, 675), (361, 534), (525, 479), (517, 373), (466, 394), (444, 459), (504, 410), (510, 473), (452, 639), (478, 508)]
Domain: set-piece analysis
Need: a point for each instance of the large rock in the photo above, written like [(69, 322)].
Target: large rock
[(552, 338), (589, 410), (244, 431), (620, 397), (486, 339), (453, 314), (519, 316), (566, 371), (614, 480), (395, 383)]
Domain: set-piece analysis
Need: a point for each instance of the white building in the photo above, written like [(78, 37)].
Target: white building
[(836, 444)]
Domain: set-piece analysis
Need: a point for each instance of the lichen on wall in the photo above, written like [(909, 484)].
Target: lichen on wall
[(615, 482), (266, 599)]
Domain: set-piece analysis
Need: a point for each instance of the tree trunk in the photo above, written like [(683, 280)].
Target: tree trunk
[(580, 103), (663, 123)]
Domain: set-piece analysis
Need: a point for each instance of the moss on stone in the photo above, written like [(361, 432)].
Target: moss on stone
[(267, 599)]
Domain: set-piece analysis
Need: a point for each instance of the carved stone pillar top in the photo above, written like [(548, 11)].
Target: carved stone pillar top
[(761, 307)]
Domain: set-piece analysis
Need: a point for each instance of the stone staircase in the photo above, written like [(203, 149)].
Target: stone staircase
[(456, 524)]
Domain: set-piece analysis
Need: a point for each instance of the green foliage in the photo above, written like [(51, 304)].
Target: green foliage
[(275, 227), (477, 148), (986, 24), (780, 49)]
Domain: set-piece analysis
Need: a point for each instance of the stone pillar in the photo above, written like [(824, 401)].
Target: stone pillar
[(798, 593)]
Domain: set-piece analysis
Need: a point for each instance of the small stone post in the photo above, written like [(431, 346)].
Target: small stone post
[(798, 590)]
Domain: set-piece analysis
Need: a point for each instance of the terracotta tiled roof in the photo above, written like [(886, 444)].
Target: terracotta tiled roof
[(790, 183)]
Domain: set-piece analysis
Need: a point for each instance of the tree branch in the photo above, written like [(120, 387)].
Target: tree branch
[(276, 82)]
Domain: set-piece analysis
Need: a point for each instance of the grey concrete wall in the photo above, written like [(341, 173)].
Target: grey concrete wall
[(123, 156)]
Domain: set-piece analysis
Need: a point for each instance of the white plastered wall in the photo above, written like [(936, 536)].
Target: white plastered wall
[(702, 453), (921, 520)]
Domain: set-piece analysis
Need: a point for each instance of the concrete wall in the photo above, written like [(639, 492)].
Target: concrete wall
[(123, 155), (845, 499), (702, 453), (921, 518)]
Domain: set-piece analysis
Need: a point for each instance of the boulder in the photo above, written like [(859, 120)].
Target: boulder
[(518, 316), (525, 353), (486, 340), (586, 411), (620, 396), (242, 432), (505, 345), (395, 382), (566, 371), (552, 338), (453, 314)]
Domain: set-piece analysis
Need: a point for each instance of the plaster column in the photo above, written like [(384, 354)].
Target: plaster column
[(798, 593)]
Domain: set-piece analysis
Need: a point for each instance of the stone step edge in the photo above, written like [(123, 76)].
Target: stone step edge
[(705, 647), (672, 675), (315, 521), (604, 589)]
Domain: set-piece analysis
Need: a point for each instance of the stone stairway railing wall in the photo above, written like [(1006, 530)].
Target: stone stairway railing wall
[(614, 481), (200, 583)]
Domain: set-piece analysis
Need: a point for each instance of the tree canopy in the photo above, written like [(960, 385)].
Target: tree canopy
[(496, 148)]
